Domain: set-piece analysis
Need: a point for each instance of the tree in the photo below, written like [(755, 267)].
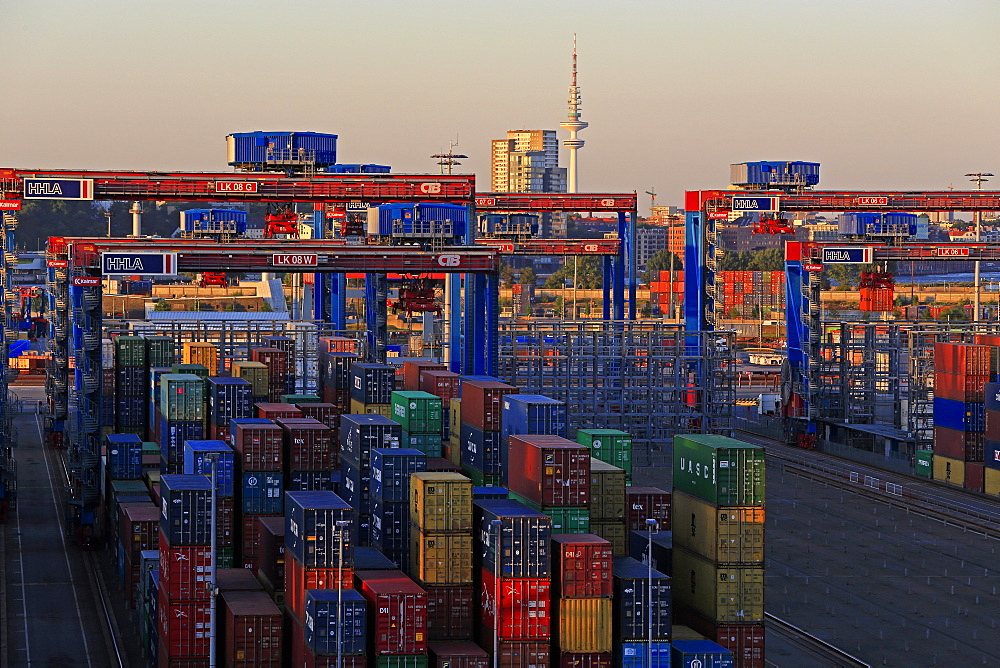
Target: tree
[(589, 274), (506, 274), (162, 305), (768, 259), (528, 276), (660, 261)]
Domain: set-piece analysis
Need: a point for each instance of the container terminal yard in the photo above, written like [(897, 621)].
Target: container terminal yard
[(300, 491)]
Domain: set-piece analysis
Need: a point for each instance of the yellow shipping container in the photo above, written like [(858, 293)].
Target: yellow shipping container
[(949, 470), (255, 373), (200, 352), (455, 451), (441, 502), (455, 418), (725, 535), (607, 491), (584, 625), (441, 559), (991, 479), (725, 594), (358, 408), (615, 533)]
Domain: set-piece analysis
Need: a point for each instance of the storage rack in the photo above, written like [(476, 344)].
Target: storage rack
[(637, 376)]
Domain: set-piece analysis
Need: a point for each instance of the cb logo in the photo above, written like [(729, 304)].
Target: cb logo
[(430, 188), (607, 202), (590, 248), (449, 260)]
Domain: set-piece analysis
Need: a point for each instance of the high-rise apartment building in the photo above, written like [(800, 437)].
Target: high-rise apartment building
[(528, 161)]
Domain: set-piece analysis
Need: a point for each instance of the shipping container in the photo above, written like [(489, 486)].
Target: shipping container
[(457, 654), (727, 594), (391, 469), (303, 657), (549, 470), (607, 491), (160, 351), (440, 383), (417, 412), (328, 609), (967, 446), (582, 565), (259, 444), (726, 535), (185, 516), (965, 358), (124, 456), (959, 415), (412, 370), (745, 641), (583, 625), (183, 627), (397, 612), (423, 220), (974, 476), (451, 612), (360, 433), (524, 605), (611, 446), (482, 403), (515, 540), (991, 481), (615, 533), (372, 383), (533, 414), (261, 150), (700, 654), (328, 414), (647, 503), (198, 458), (358, 408), (960, 387), (308, 445), (564, 518), (524, 654), (312, 530), (271, 552), (455, 417), (356, 485), (130, 351), (253, 630), (203, 353), (228, 399), (923, 463), (441, 502), (370, 559), (261, 493), (256, 374), (299, 579), (272, 411), (440, 559), (490, 493), (182, 397), (173, 434), (184, 570), (719, 469), (645, 654), (429, 444), (390, 529), (482, 450), (199, 370), (662, 549), (637, 603)]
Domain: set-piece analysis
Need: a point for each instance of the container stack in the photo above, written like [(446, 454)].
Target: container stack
[(257, 375), (310, 454), (420, 416), (609, 445), (228, 399), (130, 385), (250, 627), (259, 482), (181, 417), (412, 369), (359, 435), (441, 551), (530, 414), (719, 556), (607, 504), (513, 558), (371, 388), (287, 345), (397, 619), (326, 609), (481, 432), (582, 566), (642, 613), (390, 501), (748, 293), (660, 290), (961, 372), (148, 613), (336, 354), (185, 562), (552, 475), (138, 531), (991, 446), (198, 458), (278, 363), (108, 403), (203, 353)]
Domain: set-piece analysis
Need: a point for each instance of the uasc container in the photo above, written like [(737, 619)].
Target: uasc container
[(719, 469)]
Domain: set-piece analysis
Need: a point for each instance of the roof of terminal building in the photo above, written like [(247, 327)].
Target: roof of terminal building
[(228, 316)]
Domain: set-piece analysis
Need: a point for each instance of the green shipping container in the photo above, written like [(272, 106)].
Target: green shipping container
[(480, 479), (728, 535), (429, 444), (160, 351), (130, 351), (182, 396), (607, 492), (725, 594), (224, 557), (925, 463), (199, 370), (401, 661), (719, 469), (615, 533), (609, 445), (418, 412), (150, 448), (564, 520), (255, 373), (299, 399)]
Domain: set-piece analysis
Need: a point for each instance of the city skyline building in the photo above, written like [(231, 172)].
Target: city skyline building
[(574, 125), (528, 161)]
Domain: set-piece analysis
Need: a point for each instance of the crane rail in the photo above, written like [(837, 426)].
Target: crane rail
[(824, 650)]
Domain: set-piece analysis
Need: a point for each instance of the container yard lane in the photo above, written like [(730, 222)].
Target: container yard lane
[(53, 612)]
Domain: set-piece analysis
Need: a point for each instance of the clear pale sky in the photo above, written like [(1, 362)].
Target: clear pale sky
[(897, 94)]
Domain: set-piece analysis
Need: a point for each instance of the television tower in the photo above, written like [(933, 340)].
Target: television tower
[(574, 125)]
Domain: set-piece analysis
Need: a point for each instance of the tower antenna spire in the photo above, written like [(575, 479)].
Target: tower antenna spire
[(573, 124)]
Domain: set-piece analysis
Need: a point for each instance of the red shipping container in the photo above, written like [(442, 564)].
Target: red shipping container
[(277, 363), (967, 446), (520, 654), (139, 528), (250, 537), (298, 578), (219, 432), (271, 554), (450, 612), (225, 522), (184, 626), (325, 412), (166, 662), (482, 403), (967, 358), (992, 426), (338, 344), (456, 654), (397, 612), (339, 398), (582, 564), (253, 630), (259, 446), (525, 607), (959, 387), (549, 470), (745, 641), (440, 383), (236, 579), (302, 656), (643, 503), (309, 445), (412, 370), (974, 476), (184, 571), (273, 411), (579, 660)]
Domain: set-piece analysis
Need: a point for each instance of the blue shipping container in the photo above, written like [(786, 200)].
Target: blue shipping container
[(533, 414), (335, 369), (991, 454), (124, 453), (198, 457), (261, 493), (356, 485), (322, 618), (700, 654), (262, 150), (391, 469), (186, 509), (359, 434), (312, 533), (311, 481), (370, 559), (520, 534), (992, 395), (959, 415), (421, 220), (633, 607), (636, 654), (489, 493), (172, 435), (390, 528), (214, 221), (482, 450), (229, 399), (372, 383)]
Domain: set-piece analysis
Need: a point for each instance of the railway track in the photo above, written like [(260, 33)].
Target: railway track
[(822, 650)]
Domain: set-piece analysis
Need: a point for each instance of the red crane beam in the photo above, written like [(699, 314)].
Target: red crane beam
[(851, 200), (501, 202), (554, 246)]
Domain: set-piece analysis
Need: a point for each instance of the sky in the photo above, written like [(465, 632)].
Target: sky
[(898, 94)]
